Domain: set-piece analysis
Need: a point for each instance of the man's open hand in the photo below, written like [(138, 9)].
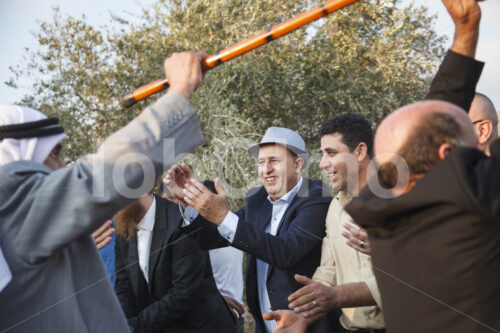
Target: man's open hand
[(175, 181), (211, 206), (312, 300), (287, 321)]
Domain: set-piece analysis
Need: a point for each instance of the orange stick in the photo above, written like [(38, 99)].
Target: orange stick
[(243, 47)]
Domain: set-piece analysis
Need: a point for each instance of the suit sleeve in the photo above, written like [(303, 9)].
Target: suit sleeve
[(187, 273), (123, 287), (74, 201), (305, 232), (456, 80), (488, 180), (205, 233)]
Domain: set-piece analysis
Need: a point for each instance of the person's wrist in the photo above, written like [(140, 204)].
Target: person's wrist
[(467, 31), (184, 89), (222, 216), (465, 41), (336, 296)]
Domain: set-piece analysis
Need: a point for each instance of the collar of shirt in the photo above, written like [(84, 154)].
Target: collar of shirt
[(287, 198), (344, 198), (148, 221)]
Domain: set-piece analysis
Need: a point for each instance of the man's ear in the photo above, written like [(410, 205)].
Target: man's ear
[(484, 131), (444, 150), (299, 164), (361, 151)]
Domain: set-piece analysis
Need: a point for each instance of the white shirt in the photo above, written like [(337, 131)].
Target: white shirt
[(5, 274), (227, 266), (279, 208), (227, 229), (144, 235)]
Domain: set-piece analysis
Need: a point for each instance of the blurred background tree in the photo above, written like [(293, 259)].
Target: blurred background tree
[(369, 58)]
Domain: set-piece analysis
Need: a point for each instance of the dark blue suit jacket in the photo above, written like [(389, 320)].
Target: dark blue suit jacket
[(181, 296), (296, 248)]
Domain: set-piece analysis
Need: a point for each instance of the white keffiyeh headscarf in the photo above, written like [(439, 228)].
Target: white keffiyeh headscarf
[(34, 149)]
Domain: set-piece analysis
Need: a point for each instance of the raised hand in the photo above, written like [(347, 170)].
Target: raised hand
[(466, 14), (175, 181), (184, 73), (463, 11), (211, 206)]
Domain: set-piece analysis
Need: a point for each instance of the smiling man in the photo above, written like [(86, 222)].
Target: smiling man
[(345, 277), (280, 227)]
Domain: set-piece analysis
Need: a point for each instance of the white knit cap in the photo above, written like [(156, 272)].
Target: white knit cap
[(34, 149)]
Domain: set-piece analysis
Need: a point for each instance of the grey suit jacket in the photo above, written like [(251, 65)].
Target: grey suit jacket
[(59, 282)]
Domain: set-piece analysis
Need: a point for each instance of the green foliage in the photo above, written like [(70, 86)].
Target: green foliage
[(368, 58)]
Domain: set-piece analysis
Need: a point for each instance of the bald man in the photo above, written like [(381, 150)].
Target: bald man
[(420, 239), (484, 117), (433, 224)]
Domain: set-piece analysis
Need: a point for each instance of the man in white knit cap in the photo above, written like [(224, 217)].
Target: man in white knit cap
[(47, 212)]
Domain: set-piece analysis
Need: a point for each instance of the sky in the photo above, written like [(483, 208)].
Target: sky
[(19, 18)]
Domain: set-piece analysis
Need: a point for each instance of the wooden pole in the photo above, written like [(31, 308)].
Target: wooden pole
[(243, 47)]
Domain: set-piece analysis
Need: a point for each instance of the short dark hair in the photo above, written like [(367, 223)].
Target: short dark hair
[(354, 127)]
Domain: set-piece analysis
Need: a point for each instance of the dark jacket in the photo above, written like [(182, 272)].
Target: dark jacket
[(181, 295), (296, 248), (436, 249), (456, 80)]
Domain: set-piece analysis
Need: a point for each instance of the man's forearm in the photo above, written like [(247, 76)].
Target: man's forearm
[(352, 295), (466, 14), (466, 37)]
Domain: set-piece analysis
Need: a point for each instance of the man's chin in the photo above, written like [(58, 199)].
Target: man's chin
[(271, 190), (337, 187)]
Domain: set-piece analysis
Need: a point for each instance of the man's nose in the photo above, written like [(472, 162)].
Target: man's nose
[(268, 167), (323, 163)]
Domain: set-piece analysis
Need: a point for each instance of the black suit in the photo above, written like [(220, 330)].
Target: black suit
[(436, 249), (181, 295), (296, 248)]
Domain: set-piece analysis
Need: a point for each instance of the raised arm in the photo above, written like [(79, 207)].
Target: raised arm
[(457, 77), (61, 206)]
